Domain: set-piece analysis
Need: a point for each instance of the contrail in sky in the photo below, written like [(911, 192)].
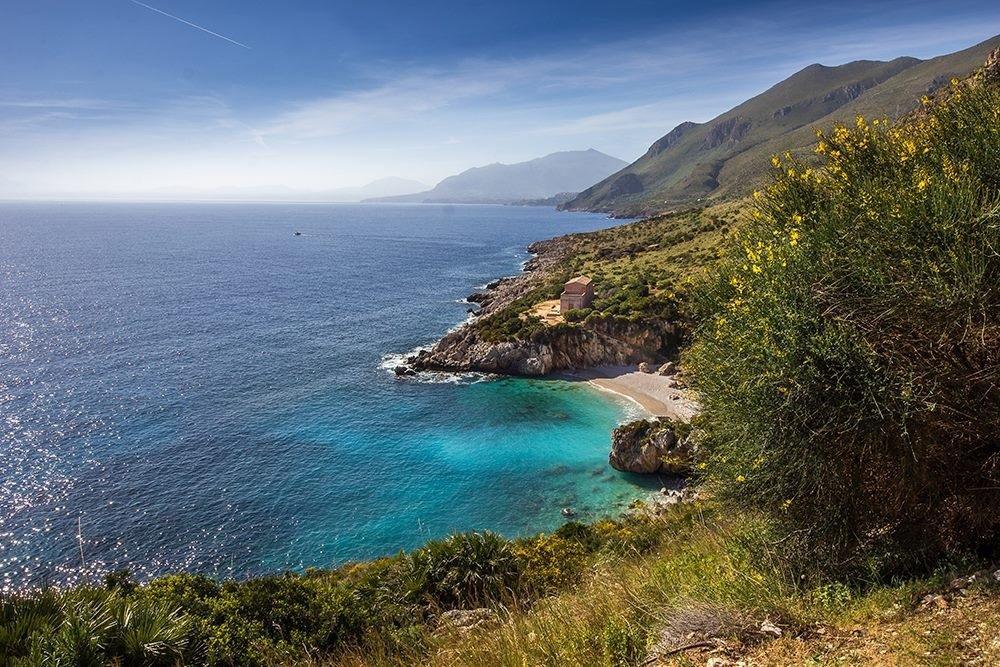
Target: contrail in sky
[(193, 25)]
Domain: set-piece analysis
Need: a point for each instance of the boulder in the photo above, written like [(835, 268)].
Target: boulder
[(465, 620), (649, 447), (645, 368), (667, 369)]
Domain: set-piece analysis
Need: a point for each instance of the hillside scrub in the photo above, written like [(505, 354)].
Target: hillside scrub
[(640, 271), (390, 604), (848, 351)]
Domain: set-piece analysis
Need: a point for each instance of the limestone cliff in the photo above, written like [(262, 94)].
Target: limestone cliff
[(598, 342)]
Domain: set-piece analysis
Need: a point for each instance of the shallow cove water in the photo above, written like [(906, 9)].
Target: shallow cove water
[(194, 387)]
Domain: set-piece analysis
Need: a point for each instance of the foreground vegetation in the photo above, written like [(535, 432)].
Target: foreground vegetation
[(614, 593), (388, 605), (847, 348), (848, 351)]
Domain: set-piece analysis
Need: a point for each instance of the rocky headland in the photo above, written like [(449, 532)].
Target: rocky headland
[(598, 341)]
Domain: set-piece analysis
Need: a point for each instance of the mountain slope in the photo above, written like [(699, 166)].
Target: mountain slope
[(567, 171), (727, 155)]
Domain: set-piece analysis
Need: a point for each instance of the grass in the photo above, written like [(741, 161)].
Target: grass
[(711, 585)]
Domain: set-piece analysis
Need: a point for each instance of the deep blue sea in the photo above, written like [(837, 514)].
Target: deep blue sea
[(193, 387)]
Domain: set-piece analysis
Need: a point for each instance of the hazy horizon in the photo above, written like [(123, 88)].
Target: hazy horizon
[(126, 99)]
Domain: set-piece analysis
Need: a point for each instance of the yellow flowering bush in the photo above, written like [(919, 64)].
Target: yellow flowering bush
[(848, 350)]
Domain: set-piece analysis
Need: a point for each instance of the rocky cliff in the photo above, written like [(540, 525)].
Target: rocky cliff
[(598, 342)]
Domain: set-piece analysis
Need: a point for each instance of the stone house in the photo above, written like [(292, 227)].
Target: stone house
[(577, 293)]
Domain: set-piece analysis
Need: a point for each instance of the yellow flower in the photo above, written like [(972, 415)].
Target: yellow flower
[(741, 479), (793, 237), (922, 185), (786, 503), (775, 162)]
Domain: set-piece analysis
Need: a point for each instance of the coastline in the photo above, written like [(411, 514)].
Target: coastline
[(658, 395)]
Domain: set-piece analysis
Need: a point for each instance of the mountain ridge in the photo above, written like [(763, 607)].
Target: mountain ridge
[(722, 158), (499, 183)]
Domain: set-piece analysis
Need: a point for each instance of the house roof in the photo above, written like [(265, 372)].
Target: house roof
[(579, 280)]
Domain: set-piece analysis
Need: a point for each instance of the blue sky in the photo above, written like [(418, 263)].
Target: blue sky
[(105, 97)]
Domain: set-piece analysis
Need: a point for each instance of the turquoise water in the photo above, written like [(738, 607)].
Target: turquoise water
[(191, 386)]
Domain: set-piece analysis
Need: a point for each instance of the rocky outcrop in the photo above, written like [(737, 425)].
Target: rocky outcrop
[(731, 130), (600, 340), (466, 620), (597, 342), (670, 138), (649, 447)]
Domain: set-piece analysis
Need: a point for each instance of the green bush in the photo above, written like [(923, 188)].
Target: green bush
[(848, 350), (577, 314), (549, 563), (464, 570)]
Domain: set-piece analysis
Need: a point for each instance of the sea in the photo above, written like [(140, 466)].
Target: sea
[(196, 387)]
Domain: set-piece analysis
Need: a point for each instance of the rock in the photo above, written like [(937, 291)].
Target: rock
[(934, 600), (465, 620), (568, 512), (769, 628), (401, 371), (668, 368), (598, 342), (644, 367), (662, 501), (649, 447)]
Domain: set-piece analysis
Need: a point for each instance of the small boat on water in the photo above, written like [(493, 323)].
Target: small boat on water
[(298, 233)]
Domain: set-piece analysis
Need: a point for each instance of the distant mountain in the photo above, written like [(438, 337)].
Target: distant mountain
[(384, 187), (568, 171), (728, 155)]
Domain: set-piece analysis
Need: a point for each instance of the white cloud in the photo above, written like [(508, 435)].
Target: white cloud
[(426, 123)]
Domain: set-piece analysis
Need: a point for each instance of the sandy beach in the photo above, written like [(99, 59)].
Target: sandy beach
[(657, 394)]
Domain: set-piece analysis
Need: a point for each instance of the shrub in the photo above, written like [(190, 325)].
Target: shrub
[(549, 563), (848, 350), (464, 570), (577, 314)]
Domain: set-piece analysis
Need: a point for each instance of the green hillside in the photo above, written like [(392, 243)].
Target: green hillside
[(727, 156)]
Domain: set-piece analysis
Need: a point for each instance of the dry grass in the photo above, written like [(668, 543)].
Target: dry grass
[(547, 312), (702, 597)]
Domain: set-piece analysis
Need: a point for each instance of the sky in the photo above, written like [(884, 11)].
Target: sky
[(120, 97)]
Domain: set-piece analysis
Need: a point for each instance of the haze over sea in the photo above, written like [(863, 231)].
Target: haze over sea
[(197, 388)]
